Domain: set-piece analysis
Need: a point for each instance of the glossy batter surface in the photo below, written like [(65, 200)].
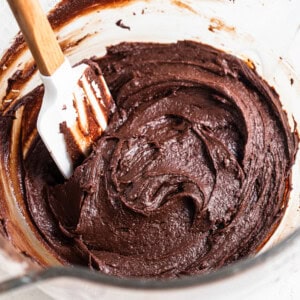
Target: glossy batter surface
[(189, 176)]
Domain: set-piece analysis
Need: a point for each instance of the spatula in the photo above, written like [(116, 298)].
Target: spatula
[(76, 100)]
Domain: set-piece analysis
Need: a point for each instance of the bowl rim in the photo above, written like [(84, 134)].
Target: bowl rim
[(83, 273)]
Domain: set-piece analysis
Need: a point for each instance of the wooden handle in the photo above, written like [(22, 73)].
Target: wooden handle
[(38, 35)]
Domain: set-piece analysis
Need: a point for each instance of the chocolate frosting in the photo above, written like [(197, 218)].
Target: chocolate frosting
[(191, 174)]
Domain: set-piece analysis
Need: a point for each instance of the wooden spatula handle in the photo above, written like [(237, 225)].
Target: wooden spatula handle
[(38, 35)]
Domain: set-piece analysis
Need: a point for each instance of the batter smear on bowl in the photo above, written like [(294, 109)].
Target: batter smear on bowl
[(191, 174)]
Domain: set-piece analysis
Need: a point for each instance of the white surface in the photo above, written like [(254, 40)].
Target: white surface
[(277, 26)]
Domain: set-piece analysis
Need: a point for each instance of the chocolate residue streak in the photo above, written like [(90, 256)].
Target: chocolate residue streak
[(66, 10), (184, 6), (122, 25), (73, 148), (3, 230), (217, 24), (84, 133), (292, 81), (15, 84), (67, 44), (12, 53)]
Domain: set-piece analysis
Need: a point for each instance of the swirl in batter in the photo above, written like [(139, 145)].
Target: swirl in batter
[(190, 175)]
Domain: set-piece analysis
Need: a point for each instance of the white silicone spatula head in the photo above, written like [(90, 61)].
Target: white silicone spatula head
[(76, 100)]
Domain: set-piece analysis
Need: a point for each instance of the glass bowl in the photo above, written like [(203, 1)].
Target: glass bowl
[(227, 25)]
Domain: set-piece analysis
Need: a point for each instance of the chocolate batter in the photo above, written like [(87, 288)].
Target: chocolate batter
[(191, 174)]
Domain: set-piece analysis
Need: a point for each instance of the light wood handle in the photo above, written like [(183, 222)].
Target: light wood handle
[(38, 35)]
